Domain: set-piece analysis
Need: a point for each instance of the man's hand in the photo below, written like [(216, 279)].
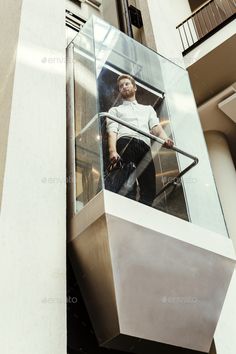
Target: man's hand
[(168, 143), (159, 131), (114, 156)]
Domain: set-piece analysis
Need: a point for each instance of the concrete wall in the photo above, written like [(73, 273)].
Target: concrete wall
[(165, 16), (109, 12), (33, 215), (225, 340), (9, 29)]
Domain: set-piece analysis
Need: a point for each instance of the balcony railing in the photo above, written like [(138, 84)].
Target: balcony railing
[(205, 21)]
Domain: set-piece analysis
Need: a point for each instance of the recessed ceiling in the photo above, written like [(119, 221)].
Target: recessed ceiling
[(214, 72), (228, 106), (211, 77)]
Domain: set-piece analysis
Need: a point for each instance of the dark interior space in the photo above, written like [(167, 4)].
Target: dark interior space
[(195, 4), (80, 335)]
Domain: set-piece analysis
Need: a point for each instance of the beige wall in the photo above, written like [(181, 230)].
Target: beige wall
[(109, 12), (33, 213), (9, 30), (165, 16)]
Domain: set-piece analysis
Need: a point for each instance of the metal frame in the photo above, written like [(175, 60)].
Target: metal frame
[(209, 30), (70, 113), (160, 141)]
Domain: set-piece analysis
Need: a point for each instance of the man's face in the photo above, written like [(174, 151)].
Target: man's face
[(126, 88)]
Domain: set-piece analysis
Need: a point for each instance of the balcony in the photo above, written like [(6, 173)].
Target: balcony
[(204, 22), (149, 274)]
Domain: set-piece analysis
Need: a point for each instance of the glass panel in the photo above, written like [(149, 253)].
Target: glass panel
[(199, 186), (162, 85), (87, 132), (88, 165)]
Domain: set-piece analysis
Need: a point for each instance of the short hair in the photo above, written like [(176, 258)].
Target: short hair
[(126, 76)]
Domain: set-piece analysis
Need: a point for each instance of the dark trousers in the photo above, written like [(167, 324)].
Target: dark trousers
[(136, 151)]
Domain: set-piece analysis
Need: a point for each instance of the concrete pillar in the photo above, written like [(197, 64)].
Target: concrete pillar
[(225, 177), (164, 17), (224, 337), (9, 31), (33, 212)]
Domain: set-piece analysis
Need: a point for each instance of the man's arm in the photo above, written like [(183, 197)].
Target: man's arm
[(158, 131), (112, 137), (112, 130)]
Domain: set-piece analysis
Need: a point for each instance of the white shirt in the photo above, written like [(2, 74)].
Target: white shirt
[(141, 116)]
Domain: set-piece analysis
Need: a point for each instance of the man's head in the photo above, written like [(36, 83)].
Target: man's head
[(127, 86)]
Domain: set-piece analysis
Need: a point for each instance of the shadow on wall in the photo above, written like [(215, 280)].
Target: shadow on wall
[(80, 335)]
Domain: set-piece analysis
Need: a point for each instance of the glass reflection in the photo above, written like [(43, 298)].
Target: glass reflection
[(102, 53)]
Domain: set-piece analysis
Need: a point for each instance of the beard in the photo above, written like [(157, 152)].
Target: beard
[(128, 94)]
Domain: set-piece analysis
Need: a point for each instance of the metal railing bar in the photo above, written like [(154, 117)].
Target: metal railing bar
[(195, 12), (175, 180), (190, 31), (140, 131), (203, 20), (160, 141), (213, 14), (185, 35), (148, 135), (83, 130), (219, 13), (209, 17), (200, 26), (209, 34), (181, 39), (195, 28)]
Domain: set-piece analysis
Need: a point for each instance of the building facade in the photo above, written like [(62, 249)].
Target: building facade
[(54, 68)]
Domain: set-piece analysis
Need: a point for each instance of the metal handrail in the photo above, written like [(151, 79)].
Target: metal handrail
[(195, 12), (160, 141), (195, 28)]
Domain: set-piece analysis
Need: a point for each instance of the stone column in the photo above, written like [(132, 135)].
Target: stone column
[(225, 177), (33, 211)]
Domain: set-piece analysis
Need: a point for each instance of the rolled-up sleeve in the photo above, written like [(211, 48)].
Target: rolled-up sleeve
[(111, 125), (153, 119)]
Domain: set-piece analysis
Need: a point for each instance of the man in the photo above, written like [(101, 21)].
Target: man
[(131, 146)]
